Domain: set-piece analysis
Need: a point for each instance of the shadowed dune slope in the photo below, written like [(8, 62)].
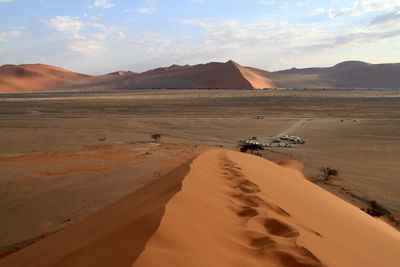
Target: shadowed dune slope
[(203, 76), (114, 236), (35, 77), (228, 209)]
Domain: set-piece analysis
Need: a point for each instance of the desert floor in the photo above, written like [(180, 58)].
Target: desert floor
[(65, 155)]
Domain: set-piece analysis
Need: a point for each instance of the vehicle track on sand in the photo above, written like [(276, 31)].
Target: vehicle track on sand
[(293, 127)]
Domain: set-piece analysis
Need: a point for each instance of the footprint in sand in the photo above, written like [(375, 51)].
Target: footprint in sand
[(249, 200), (247, 212), (247, 187), (271, 243), (263, 242), (297, 259), (279, 228)]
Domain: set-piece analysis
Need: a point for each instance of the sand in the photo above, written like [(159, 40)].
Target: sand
[(35, 77), (44, 192), (213, 75), (114, 236), (85, 174), (240, 210), (257, 78), (224, 208)]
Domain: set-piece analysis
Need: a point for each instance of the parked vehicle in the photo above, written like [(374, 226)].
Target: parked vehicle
[(284, 137)]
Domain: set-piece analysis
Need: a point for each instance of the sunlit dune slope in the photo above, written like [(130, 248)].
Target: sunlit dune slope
[(35, 77), (236, 209)]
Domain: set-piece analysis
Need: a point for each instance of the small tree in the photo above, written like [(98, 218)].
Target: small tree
[(156, 137), (253, 148), (328, 173)]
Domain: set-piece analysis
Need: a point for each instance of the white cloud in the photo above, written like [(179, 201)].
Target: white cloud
[(146, 10), (108, 31), (264, 37), (261, 33), (364, 6), (6, 36), (99, 36), (88, 37), (66, 24), (318, 11), (102, 4), (352, 38), (151, 41), (142, 10), (266, 2), (303, 3), (387, 19), (87, 47)]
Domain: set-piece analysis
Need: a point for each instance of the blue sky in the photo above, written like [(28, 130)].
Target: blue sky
[(98, 36)]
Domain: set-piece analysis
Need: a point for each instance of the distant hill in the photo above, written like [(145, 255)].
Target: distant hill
[(349, 74), (120, 73), (214, 75), (35, 77)]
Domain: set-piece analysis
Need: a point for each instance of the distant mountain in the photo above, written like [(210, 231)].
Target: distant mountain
[(349, 74), (214, 75), (35, 77), (120, 73)]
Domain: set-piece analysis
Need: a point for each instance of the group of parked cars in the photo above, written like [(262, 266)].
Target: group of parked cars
[(282, 141)]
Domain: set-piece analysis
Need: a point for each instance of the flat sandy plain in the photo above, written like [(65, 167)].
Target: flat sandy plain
[(65, 155)]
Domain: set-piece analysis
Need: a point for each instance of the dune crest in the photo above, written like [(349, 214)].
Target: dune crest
[(256, 78), (229, 209), (236, 209)]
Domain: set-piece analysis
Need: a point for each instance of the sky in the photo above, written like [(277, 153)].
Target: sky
[(100, 36)]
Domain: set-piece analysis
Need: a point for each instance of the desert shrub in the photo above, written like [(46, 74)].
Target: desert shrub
[(328, 173), (253, 148), (156, 137), (376, 209)]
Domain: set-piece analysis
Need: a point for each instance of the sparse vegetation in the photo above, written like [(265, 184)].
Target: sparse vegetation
[(328, 173), (156, 137), (376, 210), (253, 148)]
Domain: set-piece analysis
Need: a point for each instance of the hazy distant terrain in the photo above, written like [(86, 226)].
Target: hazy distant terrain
[(228, 75)]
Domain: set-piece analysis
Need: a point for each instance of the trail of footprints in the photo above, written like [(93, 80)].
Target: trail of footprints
[(280, 239)]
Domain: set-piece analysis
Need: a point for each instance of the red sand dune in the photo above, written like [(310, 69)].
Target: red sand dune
[(226, 209), (228, 75), (35, 77)]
